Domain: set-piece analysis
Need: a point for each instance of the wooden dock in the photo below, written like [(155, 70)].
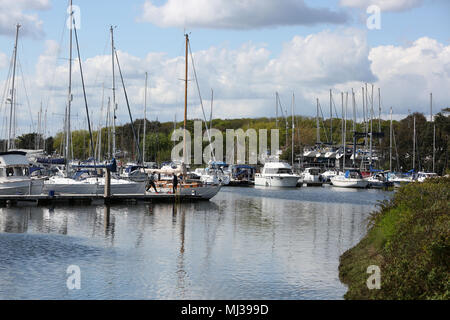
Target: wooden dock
[(83, 199)]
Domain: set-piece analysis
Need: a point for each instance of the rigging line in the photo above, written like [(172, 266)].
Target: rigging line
[(335, 109), (58, 57), (201, 101), (84, 90), (323, 123), (128, 105), (4, 97), (26, 94)]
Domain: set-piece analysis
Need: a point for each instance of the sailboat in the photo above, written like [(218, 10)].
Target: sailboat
[(84, 182), (187, 188), (15, 176)]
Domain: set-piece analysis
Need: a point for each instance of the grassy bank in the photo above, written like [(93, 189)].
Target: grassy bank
[(409, 239)]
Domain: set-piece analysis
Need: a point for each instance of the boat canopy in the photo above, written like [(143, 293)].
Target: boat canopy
[(13, 159)]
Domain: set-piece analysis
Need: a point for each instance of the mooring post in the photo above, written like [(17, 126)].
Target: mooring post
[(107, 195)]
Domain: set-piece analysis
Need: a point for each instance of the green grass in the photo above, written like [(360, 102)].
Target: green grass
[(408, 238)]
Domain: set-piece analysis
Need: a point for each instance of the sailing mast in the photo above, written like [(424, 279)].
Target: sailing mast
[(371, 129), (145, 119), (69, 98), (11, 142), (293, 128), (390, 146), (343, 134), (114, 106), (318, 123), (434, 132), (185, 99), (414, 144), (331, 116)]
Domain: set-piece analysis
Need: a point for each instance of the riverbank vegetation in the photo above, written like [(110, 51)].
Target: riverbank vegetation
[(409, 239)]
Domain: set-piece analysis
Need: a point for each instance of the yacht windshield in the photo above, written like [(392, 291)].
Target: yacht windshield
[(278, 171)]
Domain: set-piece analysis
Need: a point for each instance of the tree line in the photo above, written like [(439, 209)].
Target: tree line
[(159, 144)]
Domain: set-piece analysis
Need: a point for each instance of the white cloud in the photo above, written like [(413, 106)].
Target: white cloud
[(409, 74), (17, 11), (245, 79), (385, 5), (237, 14)]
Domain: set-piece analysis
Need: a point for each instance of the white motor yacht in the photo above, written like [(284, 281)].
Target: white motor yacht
[(14, 175), (276, 174)]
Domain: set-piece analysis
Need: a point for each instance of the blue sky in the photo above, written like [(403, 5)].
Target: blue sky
[(263, 46)]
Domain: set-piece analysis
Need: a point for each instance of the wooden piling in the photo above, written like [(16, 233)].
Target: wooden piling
[(107, 195)]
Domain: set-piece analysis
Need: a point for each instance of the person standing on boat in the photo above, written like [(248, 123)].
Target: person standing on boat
[(175, 183), (151, 182)]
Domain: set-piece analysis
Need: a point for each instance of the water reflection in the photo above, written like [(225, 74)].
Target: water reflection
[(245, 244)]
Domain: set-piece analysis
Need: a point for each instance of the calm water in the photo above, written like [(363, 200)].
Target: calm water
[(244, 244)]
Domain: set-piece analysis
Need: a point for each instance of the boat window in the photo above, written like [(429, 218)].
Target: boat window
[(9, 172), (20, 172), (2, 172), (278, 171)]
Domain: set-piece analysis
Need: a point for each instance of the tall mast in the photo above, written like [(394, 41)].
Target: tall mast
[(379, 113), (390, 145), (331, 116), (414, 144), (318, 122), (114, 106), (145, 118), (371, 128), (185, 98), (354, 110), (69, 98), (211, 114), (345, 125), (343, 134), (11, 142), (434, 132), (366, 114), (293, 128)]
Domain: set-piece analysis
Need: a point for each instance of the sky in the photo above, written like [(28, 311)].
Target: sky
[(243, 50)]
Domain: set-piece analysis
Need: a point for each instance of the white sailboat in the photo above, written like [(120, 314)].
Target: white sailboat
[(351, 179), (82, 182)]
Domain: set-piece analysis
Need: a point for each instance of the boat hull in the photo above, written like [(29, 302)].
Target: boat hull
[(277, 181), (94, 187), (350, 183), (21, 187)]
